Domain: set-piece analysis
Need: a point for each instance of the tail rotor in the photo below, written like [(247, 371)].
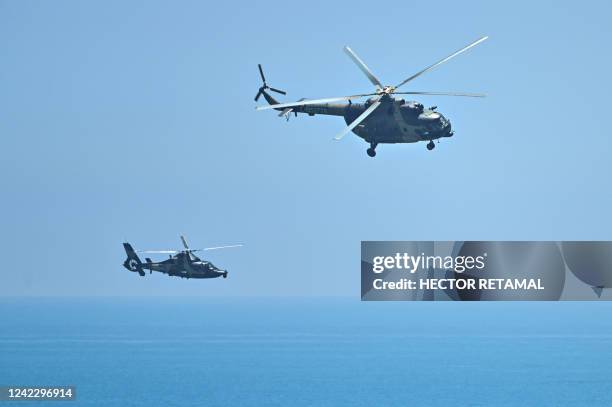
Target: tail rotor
[(132, 262), (265, 86)]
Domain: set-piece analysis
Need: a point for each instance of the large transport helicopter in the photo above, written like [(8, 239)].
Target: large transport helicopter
[(383, 118), (181, 263)]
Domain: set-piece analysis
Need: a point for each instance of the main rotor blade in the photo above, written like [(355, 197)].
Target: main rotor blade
[(217, 248), (263, 78), (158, 251), (184, 242), (440, 62), (312, 102), (364, 68), (358, 120), (471, 95)]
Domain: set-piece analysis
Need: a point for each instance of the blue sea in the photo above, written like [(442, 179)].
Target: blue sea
[(308, 352)]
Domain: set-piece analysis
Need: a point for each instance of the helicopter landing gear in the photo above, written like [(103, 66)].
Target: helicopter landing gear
[(372, 150), (431, 145)]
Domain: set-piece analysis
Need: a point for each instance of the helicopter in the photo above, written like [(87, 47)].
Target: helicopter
[(382, 118), (181, 263)]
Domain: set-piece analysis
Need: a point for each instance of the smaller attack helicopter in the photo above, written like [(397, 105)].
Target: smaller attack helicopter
[(182, 263)]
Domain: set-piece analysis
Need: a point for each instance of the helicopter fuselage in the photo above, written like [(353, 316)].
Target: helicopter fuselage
[(395, 121), (193, 269)]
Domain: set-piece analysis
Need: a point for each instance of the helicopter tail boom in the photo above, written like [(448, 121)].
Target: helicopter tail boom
[(310, 107), (270, 99)]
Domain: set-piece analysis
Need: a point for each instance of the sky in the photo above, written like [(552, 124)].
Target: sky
[(135, 121)]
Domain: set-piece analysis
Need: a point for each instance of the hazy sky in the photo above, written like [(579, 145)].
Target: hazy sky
[(135, 120)]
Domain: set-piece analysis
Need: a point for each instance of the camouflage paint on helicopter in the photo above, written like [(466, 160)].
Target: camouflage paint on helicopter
[(383, 118)]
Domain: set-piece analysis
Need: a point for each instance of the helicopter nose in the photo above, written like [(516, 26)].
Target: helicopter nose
[(447, 130)]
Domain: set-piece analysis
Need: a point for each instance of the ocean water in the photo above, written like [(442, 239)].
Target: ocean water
[(308, 351)]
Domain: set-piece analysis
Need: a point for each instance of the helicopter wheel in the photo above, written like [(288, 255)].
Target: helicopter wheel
[(431, 145), (372, 150)]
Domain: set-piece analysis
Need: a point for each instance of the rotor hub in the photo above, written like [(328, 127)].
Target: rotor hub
[(387, 90)]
